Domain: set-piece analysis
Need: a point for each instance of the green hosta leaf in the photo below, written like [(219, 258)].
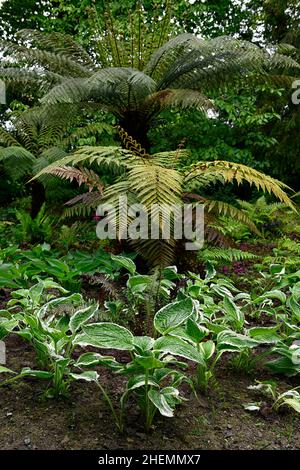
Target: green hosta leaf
[(148, 361), (87, 376), (231, 341), (93, 359), (173, 315), (210, 271), (195, 332), (277, 269), (207, 349), (215, 328), (294, 306), (178, 347), (171, 273), (39, 374), (180, 332), (233, 312), (7, 326), (264, 334), (82, 316), (138, 283), (126, 263), (5, 370), (272, 294), (106, 335), (143, 343), (162, 400), (292, 402), (139, 381)]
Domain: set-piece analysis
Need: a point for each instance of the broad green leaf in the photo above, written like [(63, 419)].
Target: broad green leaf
[(277, 269), (138, 283), (173, 315), (126, 263), (87, 376), (272, 294), (210, 271), (293, 403), (294, 306), (207, 349), (5, 370), (82, 316), (148, 361), (231, 341), (93, 359), (140, 381), (143, 343), (160, 402), (106, 335), (178, 347), (264, 334), (196, 332), (39, 374), (233, 312)]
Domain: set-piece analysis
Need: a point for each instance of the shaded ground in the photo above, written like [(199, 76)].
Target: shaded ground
[(28, 421)]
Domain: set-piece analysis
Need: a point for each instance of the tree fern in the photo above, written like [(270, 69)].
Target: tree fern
[(157, 182)]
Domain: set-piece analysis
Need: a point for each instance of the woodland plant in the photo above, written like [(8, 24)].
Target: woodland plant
[(269, 388), (159, 180), (184, 71), (152, 371), (51, 327)]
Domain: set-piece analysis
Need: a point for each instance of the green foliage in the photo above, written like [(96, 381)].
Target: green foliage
[(50, 324), (19, 268), (152, 375), (37, 230), (269, 388)]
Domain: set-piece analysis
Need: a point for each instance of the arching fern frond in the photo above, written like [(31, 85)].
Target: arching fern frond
[(115, 158), (7, 139), (17, 161), (227, 172), (80, 175)]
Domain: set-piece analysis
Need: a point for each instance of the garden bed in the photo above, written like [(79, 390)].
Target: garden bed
[(216, 421)]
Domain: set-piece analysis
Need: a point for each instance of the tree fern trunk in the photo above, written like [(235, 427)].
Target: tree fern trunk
[(137, 130), (38, 197)]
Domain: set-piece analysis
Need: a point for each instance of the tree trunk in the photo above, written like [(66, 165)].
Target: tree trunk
[(137, 130), (38, 197)]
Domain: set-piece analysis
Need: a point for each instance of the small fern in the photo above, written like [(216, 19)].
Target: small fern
[(225, 255)]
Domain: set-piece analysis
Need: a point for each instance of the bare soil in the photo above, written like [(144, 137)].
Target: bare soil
[(83, 421)]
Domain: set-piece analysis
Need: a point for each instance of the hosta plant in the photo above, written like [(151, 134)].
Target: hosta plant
[(51, 328), (153, 372), (290, 398)]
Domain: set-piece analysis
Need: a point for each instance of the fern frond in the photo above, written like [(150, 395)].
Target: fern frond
[(131, 144), (225, 255), (80, 175), (7, 139), (223, 208), (18, 161), (82, 205), (229, 171), (111, 157), (58, 43)]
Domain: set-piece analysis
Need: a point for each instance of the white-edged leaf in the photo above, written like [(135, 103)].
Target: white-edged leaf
[(107, 336), (173, 315)]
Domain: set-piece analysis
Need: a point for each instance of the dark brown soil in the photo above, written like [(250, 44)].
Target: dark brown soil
[(219, 421)]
